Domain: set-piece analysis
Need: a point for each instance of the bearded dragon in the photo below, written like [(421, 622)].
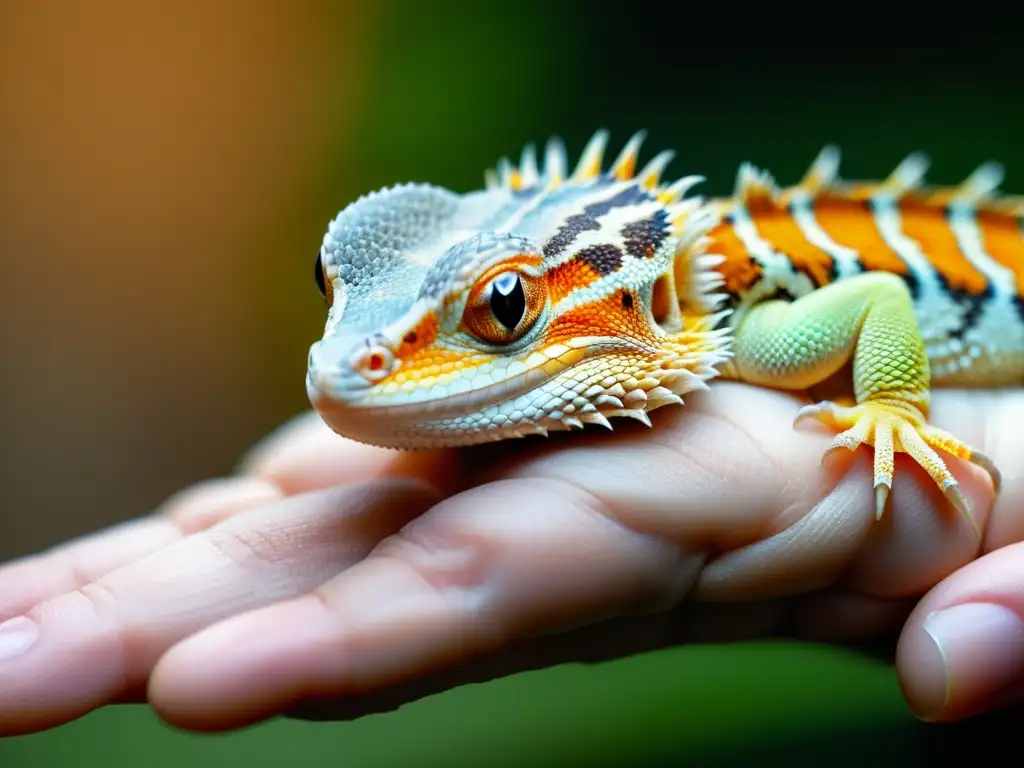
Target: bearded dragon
[(551, 300)]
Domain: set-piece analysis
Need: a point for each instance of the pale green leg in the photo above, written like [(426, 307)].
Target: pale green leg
[(869, 319)]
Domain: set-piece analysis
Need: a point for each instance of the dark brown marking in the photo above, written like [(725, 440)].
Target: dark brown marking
[(604, 259), (642, 238), (587, 219)]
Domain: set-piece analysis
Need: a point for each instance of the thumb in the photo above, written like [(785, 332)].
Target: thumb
[(961, 652)]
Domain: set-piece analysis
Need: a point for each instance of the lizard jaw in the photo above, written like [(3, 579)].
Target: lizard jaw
[(594, 390)]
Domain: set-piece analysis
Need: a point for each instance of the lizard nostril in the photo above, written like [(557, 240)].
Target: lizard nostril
[(374, 361)]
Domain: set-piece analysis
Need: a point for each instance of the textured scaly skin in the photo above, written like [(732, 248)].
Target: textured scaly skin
[(552, 300)]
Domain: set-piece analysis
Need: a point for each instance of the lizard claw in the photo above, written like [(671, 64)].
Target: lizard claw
[(894, 425), (881, 497), (957, 500)]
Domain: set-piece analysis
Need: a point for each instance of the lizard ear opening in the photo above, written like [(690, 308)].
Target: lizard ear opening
[(665, 304)]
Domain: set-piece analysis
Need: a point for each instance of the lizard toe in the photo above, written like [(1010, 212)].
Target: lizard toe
[(891, 426)]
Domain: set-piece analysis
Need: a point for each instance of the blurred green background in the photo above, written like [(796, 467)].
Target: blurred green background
[(168, 170)]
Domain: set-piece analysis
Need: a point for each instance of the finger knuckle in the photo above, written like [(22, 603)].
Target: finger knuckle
[(457, 572), (102, 599)]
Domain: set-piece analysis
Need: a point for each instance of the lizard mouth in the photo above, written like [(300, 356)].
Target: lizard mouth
[(358, 401), (374, 420), (355, 409), (565, 391)]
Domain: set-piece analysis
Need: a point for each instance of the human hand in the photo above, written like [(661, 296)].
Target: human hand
[(331, 579)]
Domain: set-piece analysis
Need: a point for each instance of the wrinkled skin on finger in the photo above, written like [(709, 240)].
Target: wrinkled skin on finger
[(330, 579)]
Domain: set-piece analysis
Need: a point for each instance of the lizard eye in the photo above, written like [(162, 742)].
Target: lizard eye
[(322, 283), (508, 300), (502, 308)]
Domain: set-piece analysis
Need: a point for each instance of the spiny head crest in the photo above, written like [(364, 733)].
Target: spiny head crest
[(544, 301)]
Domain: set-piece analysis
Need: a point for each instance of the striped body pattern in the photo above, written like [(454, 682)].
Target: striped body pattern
[(631, 288), (960, 252), (552, 300)]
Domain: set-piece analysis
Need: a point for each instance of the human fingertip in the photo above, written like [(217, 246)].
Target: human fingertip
[(961, 659)]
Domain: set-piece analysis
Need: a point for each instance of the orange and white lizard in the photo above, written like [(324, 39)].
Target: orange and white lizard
[(551, 300)]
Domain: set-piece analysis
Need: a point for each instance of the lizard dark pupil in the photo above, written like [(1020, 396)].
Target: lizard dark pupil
[(319, 270), (508, 300)]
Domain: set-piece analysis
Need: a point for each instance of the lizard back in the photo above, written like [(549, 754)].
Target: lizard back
[(553, 299), (960, 251)]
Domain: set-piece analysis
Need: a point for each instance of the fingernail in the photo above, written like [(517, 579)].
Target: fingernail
[(980, 654), (17, 636)]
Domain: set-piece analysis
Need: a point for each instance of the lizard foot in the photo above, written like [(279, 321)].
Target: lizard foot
[(894, 425)]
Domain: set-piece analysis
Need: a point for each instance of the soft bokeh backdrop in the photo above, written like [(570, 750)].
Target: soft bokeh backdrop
[(166, 172)]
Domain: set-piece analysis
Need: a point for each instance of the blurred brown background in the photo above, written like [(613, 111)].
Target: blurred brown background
[(156, 240), (167, 170)]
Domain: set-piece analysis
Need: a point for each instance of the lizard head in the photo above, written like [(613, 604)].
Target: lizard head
[(545, 301)]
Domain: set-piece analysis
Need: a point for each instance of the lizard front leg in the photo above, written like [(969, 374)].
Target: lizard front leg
[(870, 320)]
